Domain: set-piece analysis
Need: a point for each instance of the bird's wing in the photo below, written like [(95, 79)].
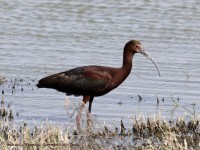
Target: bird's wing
[(90, 80)]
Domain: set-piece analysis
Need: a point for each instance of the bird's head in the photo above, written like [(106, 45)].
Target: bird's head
[(136, 47)]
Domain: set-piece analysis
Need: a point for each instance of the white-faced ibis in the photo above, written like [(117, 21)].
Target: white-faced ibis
[(92, 81)]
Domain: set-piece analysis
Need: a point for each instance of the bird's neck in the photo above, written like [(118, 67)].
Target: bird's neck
[(127, 61), (124, 71)]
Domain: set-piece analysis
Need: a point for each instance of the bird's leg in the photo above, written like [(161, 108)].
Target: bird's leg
[(90, 103), (78, 117), (89, 109)]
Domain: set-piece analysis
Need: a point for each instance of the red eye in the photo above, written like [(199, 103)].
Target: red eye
[(137, 46)]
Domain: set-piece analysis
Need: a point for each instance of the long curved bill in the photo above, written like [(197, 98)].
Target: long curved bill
[(152, 60)]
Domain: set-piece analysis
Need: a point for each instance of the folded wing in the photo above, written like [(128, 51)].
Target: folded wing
[(90, 80)]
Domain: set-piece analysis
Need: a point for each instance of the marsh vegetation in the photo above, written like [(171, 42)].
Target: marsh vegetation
[(152, 132)]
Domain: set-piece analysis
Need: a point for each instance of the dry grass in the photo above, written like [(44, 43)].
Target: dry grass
[(152, 133), (149, 134), (2, 80)]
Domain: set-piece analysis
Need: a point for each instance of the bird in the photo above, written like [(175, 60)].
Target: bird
[(93, 81)]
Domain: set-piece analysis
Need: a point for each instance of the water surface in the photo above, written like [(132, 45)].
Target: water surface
[(39, 38)]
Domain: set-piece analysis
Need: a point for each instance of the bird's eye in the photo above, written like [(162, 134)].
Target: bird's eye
[(137, 46)]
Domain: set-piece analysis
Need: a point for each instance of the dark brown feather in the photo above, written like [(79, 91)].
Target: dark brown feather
[(87, 80)]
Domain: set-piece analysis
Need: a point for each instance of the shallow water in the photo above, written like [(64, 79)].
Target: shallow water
[(39, 38)]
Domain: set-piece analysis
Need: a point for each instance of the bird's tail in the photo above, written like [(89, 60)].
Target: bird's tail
[(40, 84), (48, 82)]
